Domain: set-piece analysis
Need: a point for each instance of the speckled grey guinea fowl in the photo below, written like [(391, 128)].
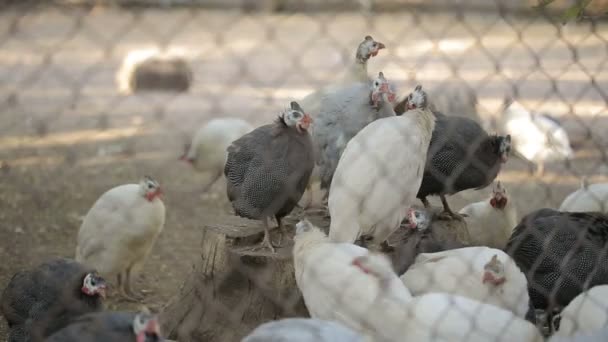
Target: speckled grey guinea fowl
[(561, 253), (428, 232), (268, 169), (47, 296), (343, 113), (461, 155), (110, 327)]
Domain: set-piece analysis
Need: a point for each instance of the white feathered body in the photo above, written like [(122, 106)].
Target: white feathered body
[(460, 271), (334, 289), (593, 197), (443, 317), (378, 176), (489, 226), (537, 137), (209, 144), (586, 313), (120, 230)]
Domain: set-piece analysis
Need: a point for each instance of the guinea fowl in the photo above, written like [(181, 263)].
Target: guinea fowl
[(586, 313), (303, 330), (332, 283), (207, 151), (268, 169), (110, 327), (484, 274), (537, 137), (39, 301), (589, 197), (491, 221), (428, 232), (461, 155), (342, 116), (356, 73), (346, 283), (378, 175), (561, 253), (119, 231)]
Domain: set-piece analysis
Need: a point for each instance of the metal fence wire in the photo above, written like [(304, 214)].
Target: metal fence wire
[(95, 94)]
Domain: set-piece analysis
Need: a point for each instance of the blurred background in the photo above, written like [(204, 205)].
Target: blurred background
[(78, 116)]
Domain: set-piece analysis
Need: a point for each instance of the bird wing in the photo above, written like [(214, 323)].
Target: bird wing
[(242, 153)]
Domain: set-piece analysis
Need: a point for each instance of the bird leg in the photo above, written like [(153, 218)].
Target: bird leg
[(425, 202), (128, 290), (210, 184), (283, 231), (266, 243), (121, 281), (447, 211), (540, 169)]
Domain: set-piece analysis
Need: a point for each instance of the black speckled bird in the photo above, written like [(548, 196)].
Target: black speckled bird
[(268, 169), (110, 327), (561, 253), (44, 299), (461, 154)]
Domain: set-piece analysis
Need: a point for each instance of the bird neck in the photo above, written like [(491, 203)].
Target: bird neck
[(357, 72)]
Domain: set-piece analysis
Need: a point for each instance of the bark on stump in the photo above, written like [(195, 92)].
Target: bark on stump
[(234, 288)]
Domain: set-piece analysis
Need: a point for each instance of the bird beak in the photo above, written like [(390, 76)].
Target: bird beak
[(381, 46), (102, 292), (153, 327), (358, 264), (305, 122), (504, 157)]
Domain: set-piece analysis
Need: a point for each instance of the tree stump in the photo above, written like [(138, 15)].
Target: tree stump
[(235, 287)]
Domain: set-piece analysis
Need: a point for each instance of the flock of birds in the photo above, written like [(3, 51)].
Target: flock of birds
[(478, 274)]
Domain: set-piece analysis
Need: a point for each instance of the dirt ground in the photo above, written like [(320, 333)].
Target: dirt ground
[(66, 135)]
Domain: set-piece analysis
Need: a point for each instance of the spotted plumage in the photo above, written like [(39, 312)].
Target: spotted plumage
[(561, 253), (269, 168), (40, 301), (110, 326)]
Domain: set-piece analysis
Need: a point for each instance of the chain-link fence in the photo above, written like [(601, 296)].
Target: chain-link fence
[(95, 94)]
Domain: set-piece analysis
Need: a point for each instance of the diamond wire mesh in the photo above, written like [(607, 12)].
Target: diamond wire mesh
[(67, 133)]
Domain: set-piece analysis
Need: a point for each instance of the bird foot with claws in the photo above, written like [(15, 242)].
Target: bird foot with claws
[(448, 216)]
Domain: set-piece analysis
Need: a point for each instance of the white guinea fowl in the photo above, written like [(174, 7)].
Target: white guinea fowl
[(537, 137), (378, 175), (334, 287), (490, 222), (586, 313), (484, 274), (119, 231), (207, 151), (589, 197), (303, 330)]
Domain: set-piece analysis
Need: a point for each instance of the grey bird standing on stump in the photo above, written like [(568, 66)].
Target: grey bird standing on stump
[(268, 169)]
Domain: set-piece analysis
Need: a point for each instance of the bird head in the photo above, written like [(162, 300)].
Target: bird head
[(417, 99), (303, 226), (494, 272), (499, 197), (368, 48), (146, 328), (150, 188), (295, 117), (418, 219), (504, 147), (381, 90), (94, 285)]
